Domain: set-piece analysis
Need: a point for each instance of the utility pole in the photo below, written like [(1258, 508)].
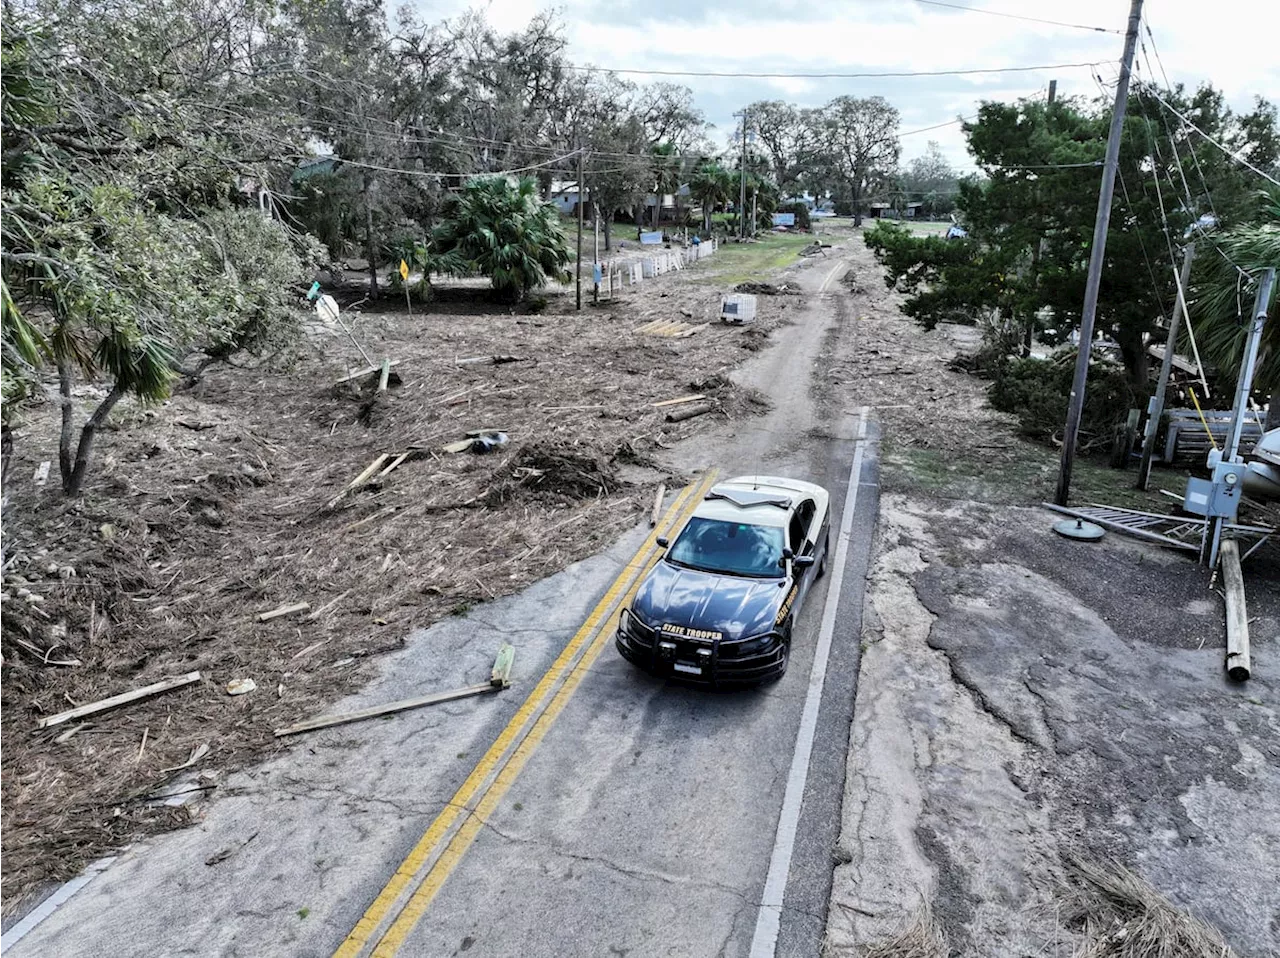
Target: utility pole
[(1245, 383), (1097, 255), (742, 204), (582, 195), (1053, 91), (1155, 409)]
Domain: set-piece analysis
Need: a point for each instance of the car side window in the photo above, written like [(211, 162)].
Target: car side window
[(800, 524)]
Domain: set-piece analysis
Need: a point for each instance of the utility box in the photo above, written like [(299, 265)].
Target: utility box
[(1218, 497), (738, 308)]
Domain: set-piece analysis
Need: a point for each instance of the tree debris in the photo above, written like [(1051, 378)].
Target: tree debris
[(283, 610), (692, 397), (115, 701), (656, 514), (688, 412)]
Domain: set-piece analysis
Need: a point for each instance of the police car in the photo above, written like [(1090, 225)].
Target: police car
[(720, 605)]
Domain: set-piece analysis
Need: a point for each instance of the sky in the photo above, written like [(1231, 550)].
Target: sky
[(1230, 43)]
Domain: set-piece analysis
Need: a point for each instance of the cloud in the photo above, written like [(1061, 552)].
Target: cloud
[(1233, 47)]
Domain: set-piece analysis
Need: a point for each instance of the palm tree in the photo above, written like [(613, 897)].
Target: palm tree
[(504, 232), (666, 174), (1223, 297), (710, 186)]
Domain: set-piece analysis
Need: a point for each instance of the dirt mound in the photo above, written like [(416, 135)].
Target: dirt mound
[(557, 470)]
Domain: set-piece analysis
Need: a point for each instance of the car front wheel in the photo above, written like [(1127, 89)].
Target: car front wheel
[(826, 553)]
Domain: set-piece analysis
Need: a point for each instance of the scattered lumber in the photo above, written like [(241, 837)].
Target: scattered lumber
[(115, 701), (42, 473), (394, 462), (494, 360), (692, 397), (367, 371), (462, 445), (689, 412), (1238, 664), (499, 679), (390, 708), (686, 333), (385, 375), (656, 514), (359, 480), (283, 610)]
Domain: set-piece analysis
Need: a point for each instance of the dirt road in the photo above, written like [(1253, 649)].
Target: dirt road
[(621, 814)]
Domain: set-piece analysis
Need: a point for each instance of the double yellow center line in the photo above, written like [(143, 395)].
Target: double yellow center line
[(402, 902)]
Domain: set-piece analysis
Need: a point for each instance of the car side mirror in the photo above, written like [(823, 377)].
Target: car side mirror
[(663, 541), (788, 554), (803, 562)]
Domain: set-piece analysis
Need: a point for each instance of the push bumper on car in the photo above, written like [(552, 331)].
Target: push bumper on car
[(708, 661)]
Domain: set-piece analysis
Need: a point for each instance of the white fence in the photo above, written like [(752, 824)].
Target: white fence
[(637, 271)]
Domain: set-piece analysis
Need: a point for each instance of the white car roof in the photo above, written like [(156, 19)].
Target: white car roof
[(760, 500)]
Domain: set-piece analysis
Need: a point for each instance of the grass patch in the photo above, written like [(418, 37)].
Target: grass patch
[(1024, 474), (744, 262)]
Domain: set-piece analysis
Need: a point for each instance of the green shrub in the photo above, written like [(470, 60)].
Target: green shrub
[(1036, 391)]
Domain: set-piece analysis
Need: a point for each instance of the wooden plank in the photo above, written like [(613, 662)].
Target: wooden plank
[(692, 397), (1238, 664), (394, 462), (385, 375), (462, 445), (404, 705), (691, 330), (367, 371), (657, 505), (359, 480), (500, 677), (115, 701), (283, 610), (688, 412)]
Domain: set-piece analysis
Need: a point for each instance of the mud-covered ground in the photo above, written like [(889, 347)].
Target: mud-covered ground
[(223, 503), (1025, 700)]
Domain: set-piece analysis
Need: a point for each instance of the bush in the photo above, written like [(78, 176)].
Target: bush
[(1037, 390)]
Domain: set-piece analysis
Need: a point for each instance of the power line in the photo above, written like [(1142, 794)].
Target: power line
[(1018, 16), (1225, 149), (836, 76)]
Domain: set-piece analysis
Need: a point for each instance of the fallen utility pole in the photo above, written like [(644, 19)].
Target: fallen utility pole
[(1096, 258), (1156, 407), (1238, 664)]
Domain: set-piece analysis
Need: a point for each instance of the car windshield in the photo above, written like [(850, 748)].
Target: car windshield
[(733, 548)]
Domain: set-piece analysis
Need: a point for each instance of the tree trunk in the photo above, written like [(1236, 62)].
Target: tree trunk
[(1135, 363), (1273, 411), (72, 483), (857, 204), (368, 239), (608, 233), (66, 378)]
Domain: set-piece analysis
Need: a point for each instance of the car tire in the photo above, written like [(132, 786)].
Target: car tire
[(826, 554)]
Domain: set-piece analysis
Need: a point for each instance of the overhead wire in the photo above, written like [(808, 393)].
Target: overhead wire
[(892, 74), (1019, 16)]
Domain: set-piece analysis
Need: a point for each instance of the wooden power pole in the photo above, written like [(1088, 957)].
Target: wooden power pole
[(1155, 408), (742, 202), (1096, 258), (582, 198)]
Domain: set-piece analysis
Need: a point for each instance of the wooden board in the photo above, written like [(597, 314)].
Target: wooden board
[(115, 701), (404, 705)]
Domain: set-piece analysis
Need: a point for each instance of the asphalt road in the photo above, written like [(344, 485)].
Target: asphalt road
[(622, 815)]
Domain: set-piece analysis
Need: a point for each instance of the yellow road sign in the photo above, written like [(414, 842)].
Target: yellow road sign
[(404, 270)]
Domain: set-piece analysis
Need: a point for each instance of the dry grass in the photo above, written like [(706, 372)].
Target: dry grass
[(921, 937), (1120, 915), (200, 515)]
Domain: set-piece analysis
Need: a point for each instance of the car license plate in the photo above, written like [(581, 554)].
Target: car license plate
[(690, 669)]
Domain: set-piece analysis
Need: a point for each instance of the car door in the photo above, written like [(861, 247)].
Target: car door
[(802, 538)]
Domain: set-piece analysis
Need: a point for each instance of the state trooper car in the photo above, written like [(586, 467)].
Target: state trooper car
[(720, 604)]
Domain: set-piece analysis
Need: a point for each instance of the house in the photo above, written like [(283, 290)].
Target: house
[(565, 197)]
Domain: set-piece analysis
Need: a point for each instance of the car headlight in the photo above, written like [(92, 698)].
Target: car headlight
[(757, 643), (632, 624)]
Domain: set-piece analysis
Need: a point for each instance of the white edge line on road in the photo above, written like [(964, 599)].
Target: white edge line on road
[(51, 904), (764, 942)]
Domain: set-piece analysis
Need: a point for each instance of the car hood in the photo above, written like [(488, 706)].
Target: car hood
[(734, 606)]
